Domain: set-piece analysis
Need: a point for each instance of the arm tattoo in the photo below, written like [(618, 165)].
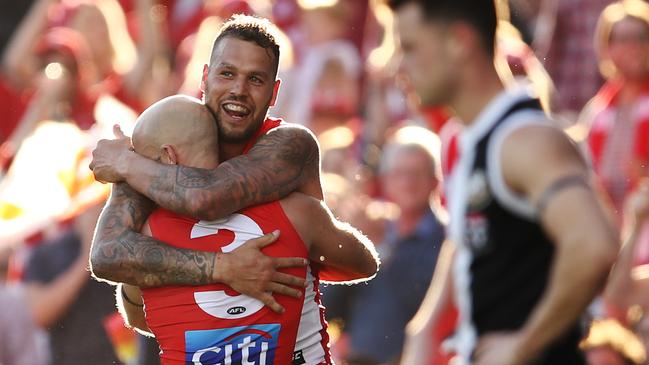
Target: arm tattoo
[(557, 186), (281, 162), (192, 178), (121, 254)]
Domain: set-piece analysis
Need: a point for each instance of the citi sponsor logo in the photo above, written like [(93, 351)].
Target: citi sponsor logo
[(236, 310), (246, 345)]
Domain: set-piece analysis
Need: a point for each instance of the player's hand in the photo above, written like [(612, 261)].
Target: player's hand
[(250, 272), (500, 349), (637, 205), (109, 159)]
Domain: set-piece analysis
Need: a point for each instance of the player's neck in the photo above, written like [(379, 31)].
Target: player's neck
[(631, 89), (230, 150), (203, 160), (478, 87)]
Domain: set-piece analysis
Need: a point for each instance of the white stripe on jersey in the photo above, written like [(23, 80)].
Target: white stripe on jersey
[(466, 334), (309, 332)]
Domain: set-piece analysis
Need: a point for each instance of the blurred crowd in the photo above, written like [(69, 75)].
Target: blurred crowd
[(70, 69)]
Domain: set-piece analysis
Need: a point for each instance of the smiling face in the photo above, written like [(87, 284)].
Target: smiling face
[(240, 87)]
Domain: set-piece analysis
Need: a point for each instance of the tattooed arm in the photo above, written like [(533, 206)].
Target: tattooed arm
[(287, 159), (120, 253)]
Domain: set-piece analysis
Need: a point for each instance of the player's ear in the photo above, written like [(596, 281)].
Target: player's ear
[(275, 92), (168, 155), (206, 70), (461, 41)]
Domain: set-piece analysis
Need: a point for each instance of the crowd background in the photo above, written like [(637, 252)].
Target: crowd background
[(70, 69)]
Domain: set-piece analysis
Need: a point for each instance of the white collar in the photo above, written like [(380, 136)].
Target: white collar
[(491, 114)]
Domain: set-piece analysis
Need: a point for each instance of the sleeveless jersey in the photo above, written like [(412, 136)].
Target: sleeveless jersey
[(503, 262), (213, 324), (269, 124)]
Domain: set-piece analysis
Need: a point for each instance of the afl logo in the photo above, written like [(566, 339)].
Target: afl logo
[(236, 310)]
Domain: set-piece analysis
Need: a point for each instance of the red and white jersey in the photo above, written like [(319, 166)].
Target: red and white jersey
[(213, 324)]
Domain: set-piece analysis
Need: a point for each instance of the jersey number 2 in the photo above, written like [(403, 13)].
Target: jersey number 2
[(217, 303)]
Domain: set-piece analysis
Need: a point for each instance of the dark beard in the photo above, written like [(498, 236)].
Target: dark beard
[(229, 138), (239, 138), (235, 139), (242, 138)]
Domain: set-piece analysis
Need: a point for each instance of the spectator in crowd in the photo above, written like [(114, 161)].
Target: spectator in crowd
[(410, 176), (21, 342), (618, 115), (115, 66), (628, 286), (66, 56), (563, 42), (34, 305), (327, 77), (13, 99), (87, 307), (69, 55)]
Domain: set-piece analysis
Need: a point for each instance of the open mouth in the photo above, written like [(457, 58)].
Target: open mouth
[(236, 111)]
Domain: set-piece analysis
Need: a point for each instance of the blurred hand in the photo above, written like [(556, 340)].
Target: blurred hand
[(55, 90), (110, 157), (250, 272), (500, 349), (637, 204), (418, 346)]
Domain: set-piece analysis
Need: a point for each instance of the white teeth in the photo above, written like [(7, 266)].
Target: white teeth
[(236, 108)]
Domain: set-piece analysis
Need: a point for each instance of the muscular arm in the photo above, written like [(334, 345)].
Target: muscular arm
[(419, 347), (628, 286), (48, 302), (19, 62), (121, 254), (132, 309), (622, 289), (533, 160), (343, 254), (285, 160)]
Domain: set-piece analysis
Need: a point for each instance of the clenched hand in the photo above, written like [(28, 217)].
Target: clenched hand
[(109, 157)]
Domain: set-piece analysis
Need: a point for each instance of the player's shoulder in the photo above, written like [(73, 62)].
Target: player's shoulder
[(534, 151), (293, 130), (301, 209), (539, 137), (287, 138), (300, 202)]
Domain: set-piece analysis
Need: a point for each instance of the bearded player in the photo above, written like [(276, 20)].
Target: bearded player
[(213, 324)]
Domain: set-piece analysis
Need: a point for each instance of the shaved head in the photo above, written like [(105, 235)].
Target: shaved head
[(177, 129)]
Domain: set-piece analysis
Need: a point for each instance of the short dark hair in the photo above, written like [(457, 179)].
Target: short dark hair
[(251, 29), (481, 14)]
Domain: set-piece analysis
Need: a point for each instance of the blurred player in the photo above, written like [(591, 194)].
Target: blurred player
[(533, 245)]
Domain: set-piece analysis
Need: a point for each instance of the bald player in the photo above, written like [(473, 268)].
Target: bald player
[(174, 131), (218, 324)]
